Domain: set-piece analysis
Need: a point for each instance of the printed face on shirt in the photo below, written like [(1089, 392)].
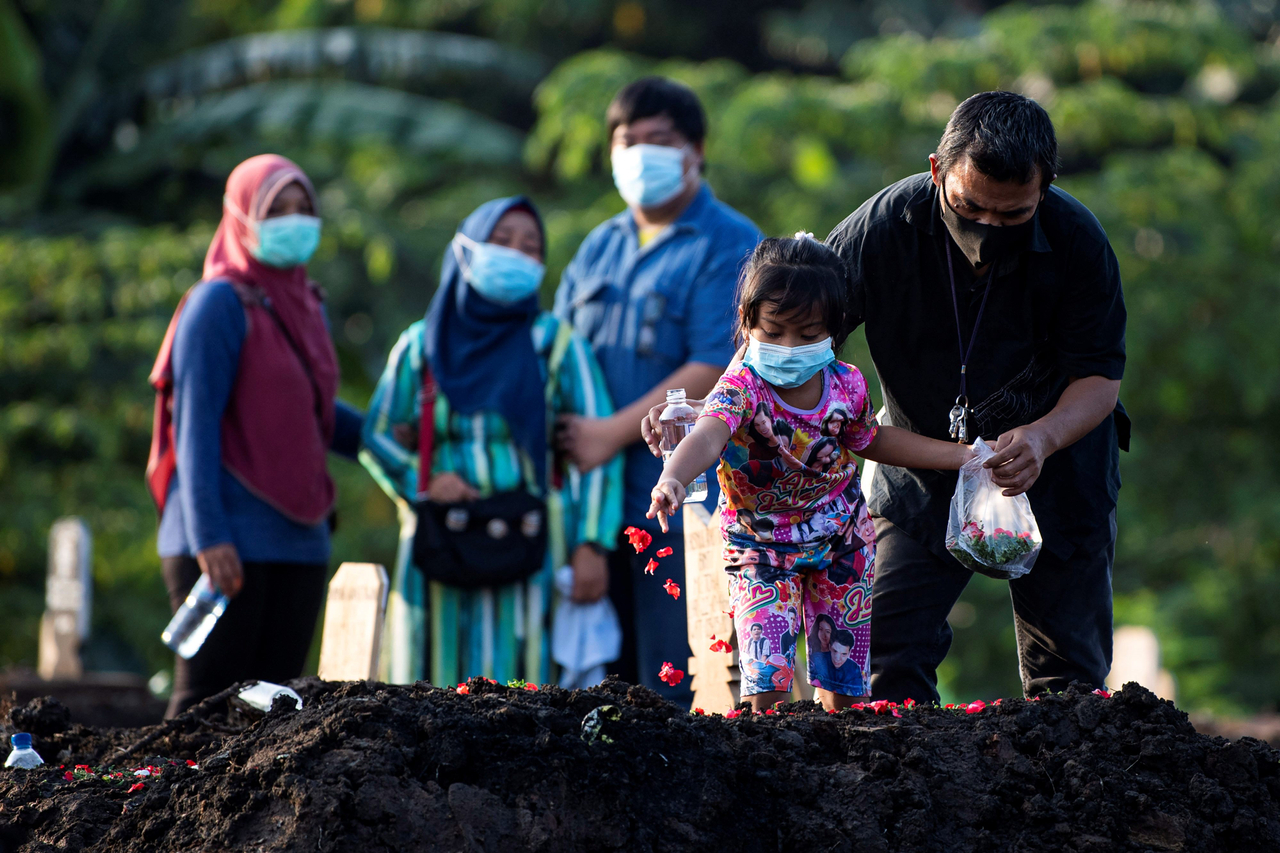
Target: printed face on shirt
[(839, 654), (834, 423), (757, 630), (824, 636)]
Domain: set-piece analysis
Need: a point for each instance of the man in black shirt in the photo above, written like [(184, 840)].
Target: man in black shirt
[(982, 263)]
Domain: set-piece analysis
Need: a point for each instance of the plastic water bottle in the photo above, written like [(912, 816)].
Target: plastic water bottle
[(23, 755), (190, 626), (677, 421)]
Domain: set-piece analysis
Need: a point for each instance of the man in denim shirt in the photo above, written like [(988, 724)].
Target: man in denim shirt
[(653, 290)]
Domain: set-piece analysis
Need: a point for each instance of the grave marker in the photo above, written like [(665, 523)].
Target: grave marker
[(353, 613), (1136, 657), (714, 676), (68, 599)]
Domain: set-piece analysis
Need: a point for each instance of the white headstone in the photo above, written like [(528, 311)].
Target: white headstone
[(68, 599), (714, 675), (353, 614), (1136, 657)]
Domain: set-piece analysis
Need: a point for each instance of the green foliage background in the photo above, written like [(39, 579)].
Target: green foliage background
[(119, 120)]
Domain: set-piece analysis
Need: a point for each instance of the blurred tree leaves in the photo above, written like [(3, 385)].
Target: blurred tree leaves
[(408, 114)]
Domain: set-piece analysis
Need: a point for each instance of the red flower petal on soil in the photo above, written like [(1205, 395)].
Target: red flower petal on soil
[(997, 702), (653, 564), (770, 711), (733, 714), (910, 703), (463, 689), (975, 707), (191, 763), (530, 686), (880, 705), (68, 776), (699, 712), (672, 588), (897, 713), (638, 538), (665, 552), (670, 675), (1103, 692), (137, 786)]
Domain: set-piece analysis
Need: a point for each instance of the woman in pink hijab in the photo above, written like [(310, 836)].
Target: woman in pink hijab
[(246, 413)]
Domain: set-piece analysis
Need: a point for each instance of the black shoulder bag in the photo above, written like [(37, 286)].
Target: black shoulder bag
[(489, 542)]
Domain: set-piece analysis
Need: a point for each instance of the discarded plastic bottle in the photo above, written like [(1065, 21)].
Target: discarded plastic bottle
[(23, 755), (677, 421), (190, 626)]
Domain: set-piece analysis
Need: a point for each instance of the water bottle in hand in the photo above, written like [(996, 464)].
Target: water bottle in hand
[(190, 626), (677, 421), (23, 755)]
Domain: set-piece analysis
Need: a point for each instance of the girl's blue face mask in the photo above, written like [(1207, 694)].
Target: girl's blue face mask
[(497, 273), (788, 367), (282, 241)]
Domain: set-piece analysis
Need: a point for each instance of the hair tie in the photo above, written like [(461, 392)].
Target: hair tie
[(802, 235)]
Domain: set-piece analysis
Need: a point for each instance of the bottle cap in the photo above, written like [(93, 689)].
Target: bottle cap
[(675, 395), (21, 740)]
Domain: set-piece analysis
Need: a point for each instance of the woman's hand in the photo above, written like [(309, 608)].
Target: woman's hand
[(587, 442), (406, 435), (651, 427), (449, 488), (590, 575), (667, 497), (221, 564)]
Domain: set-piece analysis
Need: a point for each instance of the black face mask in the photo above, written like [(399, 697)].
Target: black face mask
[(982, 244)]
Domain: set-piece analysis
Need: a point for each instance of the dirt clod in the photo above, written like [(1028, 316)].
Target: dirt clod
[(373, 767)]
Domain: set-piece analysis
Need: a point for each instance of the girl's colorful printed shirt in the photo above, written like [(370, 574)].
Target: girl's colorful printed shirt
[(789, 477)]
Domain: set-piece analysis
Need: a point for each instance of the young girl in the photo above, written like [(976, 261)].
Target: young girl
[(801, 537)]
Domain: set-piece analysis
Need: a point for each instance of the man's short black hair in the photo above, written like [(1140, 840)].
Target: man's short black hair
[(655, 96), (1008, 136), (844, 637)]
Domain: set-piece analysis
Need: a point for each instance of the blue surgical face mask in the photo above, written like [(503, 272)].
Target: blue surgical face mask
[(497, 273), (648, 175), (788, 367), (282, 241)]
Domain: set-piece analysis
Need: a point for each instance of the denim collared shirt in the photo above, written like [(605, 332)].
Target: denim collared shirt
[(648, 311)]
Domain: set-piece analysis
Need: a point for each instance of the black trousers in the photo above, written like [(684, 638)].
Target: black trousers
[(264, 634), (1061, 615)]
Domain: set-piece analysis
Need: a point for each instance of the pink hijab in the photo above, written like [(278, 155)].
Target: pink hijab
[(279, 421)]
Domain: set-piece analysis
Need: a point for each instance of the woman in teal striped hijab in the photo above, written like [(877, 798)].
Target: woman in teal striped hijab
[(503, 369)]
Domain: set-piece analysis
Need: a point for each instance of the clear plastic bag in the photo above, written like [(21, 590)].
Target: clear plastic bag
[(987, 532)]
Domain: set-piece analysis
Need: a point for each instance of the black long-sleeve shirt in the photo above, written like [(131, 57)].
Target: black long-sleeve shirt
[(1055, 312)]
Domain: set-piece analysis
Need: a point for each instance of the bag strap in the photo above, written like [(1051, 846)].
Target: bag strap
[(559, 349), (427, 414), (426, 429), (258, 296)]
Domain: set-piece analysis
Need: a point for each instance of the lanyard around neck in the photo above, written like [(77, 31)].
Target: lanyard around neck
[(965, 352)]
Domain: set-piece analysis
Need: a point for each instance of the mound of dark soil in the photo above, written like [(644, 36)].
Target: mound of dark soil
[(367, 767)]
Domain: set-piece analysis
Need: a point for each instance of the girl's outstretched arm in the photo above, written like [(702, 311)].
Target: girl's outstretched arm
[(695, 454), (904, 449)]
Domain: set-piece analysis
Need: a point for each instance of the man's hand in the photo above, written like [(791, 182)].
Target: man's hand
[(221, 563), (449, 488), (588, 442), (651, 426), (667, 497), (1020, 455), (590, 575)]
